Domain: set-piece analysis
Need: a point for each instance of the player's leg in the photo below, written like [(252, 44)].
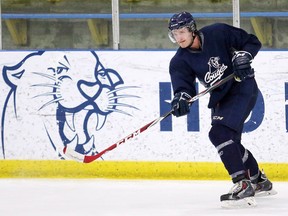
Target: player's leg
[(222, 138), (228, 118), (250, 163), (262, 185)]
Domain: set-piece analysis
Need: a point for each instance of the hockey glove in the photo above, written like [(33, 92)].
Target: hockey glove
[(241, 62), (180, 104)]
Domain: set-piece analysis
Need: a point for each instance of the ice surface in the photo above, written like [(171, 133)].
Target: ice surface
[(102, 197)]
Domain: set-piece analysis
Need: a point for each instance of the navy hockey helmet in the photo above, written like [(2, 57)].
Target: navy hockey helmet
[(180, 20)]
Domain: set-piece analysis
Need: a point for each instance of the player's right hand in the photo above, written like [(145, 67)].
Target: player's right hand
[(180, 104)]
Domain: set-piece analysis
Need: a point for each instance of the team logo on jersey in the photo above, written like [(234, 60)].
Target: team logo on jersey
[(216, 71)]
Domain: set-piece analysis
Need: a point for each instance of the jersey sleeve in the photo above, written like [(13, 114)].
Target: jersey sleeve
[(242, 41), (182, 78)]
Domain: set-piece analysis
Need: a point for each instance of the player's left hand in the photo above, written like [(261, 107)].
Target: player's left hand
[(241, 62)]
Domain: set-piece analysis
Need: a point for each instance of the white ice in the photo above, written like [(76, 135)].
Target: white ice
[(102, 197)]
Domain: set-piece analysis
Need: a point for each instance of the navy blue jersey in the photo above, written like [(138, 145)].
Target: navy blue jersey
[(212, 62)]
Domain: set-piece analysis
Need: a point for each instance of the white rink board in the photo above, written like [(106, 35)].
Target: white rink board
[(35, 131)]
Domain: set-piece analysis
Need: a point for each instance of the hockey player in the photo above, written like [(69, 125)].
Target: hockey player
[(210, 54)]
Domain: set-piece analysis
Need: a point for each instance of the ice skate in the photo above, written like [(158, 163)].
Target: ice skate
[(263, 187), (241, 195)]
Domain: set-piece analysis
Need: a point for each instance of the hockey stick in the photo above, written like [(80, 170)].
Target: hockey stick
[(89, 158)]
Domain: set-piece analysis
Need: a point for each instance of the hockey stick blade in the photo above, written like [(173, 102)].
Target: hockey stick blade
[(72, 154)]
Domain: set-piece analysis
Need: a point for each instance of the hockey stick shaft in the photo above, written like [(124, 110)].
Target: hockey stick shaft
[(89, 158)]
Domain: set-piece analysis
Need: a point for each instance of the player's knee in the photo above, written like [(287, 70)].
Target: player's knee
[(220, 134)]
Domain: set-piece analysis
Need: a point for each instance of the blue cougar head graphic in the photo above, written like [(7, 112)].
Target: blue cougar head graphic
[(71, 92)]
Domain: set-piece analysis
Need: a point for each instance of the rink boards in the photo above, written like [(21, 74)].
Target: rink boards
[(91, 99), (129, 170)]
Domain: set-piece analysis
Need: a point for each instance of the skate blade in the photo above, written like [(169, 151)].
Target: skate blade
[(265, 193), (247, 202)]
